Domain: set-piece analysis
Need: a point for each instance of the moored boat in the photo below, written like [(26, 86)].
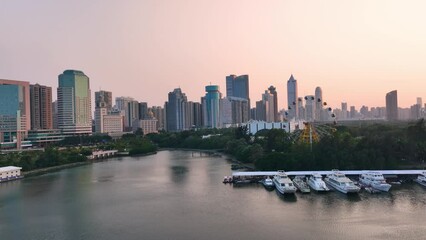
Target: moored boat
[(283, 183), (316, 183), (267, 183), (421, 179), (374, 180), (341, 183), (301, 184)]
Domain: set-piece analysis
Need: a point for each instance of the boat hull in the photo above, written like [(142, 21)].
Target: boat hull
[(317, 188), (420, 182), (340, 189)]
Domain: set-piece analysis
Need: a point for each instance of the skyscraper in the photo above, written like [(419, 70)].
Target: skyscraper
[(392, 106), (268, 103), (273, 91), (318, 104), (292, 98), (211, 107), (176, 111), (143, 110), (74, 103), (14, 110), (103, 99), (41, 107), (238, 86), (309, 107)]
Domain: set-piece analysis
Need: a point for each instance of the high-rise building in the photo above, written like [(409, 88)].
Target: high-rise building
[(121, 103), (211, 107), (15, 117), (176, 111), (309, 107), (273, 91), (392, 106), (292, 99), (41, 107), (238, 86), (74, 103), (300, 109), (419, 101), (318, 104), (234, 111), (344, 111), (132, 114), (198, 115), (103, 99), (158, 113), (268, 103), (143, 110), (260, 114)]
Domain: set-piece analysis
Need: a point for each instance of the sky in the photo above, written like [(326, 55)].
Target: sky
[(356, 51)]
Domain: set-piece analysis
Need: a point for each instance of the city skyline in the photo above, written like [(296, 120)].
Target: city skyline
[(372, 49)]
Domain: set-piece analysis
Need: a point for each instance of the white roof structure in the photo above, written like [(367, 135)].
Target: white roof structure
[(9, 168), (349, 172)]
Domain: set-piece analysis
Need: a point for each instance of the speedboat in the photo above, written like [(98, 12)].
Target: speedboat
[(267, 183), (374, 180), (340, 182), (421, 179), (301, 184), (316, 183), (283, 183)]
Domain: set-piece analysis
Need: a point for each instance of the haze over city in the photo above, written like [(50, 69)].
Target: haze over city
[(356, 51)]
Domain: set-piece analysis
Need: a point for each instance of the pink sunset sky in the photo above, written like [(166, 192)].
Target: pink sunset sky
[(357, 51)]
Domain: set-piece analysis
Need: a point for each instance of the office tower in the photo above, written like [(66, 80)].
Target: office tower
[(41, 107), (103, 99), (176, 111), (344, 111), (55, 114), (74, 103), (260, 111), (392, 106), (292, 99), (353, 112), (121, 103), (143, 110), (268, 103), (273, 91), (234, 111), (364, 112), (198, 115), (309, 107), (15, 117), (300, 109), (419, 101), (238, 86), (132, 114), (415, 111), (158, 113), (211, 107), (318, 104)]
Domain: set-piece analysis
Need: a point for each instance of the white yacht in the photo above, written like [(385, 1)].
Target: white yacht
[(301, 184), (267, 183), (421, 179), (283, 183), (316, 183), (374, 180), (340, 182)]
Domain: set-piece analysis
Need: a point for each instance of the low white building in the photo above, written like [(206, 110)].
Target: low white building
[(9, 173), (254, 126)]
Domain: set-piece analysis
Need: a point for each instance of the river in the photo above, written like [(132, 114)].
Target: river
[(180, 195)]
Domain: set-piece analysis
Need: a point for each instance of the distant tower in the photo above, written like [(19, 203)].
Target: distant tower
[(176, 111), (309, 107), (41, 107), (211, 107), (318, 104), (74, 103), (103, 99), (392, 106), (273, 91), (238, 86), (292, 98)]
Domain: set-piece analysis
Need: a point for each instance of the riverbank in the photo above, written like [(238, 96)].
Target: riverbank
[(42, 171)]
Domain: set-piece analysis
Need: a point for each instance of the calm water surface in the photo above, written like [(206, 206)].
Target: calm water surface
[(179, 195)]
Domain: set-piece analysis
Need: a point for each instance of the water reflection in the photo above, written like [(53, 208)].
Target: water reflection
[(176, 195)]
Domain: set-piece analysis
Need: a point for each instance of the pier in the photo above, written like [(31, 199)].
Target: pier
[(102, 154)]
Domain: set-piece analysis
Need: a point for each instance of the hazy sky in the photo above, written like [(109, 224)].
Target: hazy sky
[(355, 50)]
